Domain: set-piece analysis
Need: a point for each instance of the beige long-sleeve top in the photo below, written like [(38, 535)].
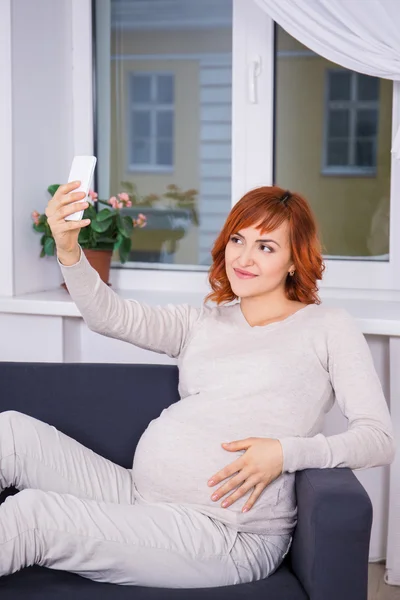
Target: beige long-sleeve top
[(237, 381)]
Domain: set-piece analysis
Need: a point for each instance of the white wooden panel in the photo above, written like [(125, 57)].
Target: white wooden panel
[(30, 338), (216, 132), (213, 223), (392, 575), (215, 169), (72, 343), (98, 348), (216, 76), (375, 480), (216, 95), (215, 205), (204, 257), (208, 239), (218, 112), (216, 187), (212, 150)]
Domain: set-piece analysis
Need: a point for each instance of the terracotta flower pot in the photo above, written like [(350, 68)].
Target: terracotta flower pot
[(99, 260)]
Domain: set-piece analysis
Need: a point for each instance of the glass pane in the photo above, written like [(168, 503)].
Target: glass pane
[(163, 124), (367, 87), (339, 85), (164, 152), (141, 123), (367, 123), (141, 88), (338, 123), (345, 179), (141, 152), (164, 127), (338, 153), (365, 155), (165, 89)]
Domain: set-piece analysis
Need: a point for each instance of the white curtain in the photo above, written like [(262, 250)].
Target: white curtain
[(361, 35)]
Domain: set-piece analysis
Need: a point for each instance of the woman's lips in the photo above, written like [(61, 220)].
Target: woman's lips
[(244, 274)]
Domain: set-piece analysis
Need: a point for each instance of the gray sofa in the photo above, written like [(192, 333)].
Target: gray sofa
[(107, 407)]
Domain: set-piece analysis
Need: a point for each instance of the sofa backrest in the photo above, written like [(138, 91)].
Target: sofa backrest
[(106, 407)]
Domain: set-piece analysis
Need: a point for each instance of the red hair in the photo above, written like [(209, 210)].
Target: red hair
[(262, 207)]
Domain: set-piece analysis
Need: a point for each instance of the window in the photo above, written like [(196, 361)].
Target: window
[(299, 121), (163, 75), (351, 123), (330, 116), (151, 134)]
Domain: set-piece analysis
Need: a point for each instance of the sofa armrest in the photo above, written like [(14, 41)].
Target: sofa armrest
[(330, 547)]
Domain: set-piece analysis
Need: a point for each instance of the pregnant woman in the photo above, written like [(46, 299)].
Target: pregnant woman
[(210, 498)]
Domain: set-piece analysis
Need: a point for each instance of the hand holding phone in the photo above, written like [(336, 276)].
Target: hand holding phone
[(61, 207), (82, 170)]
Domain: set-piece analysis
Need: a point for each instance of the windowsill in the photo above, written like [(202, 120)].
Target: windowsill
[(149, 169), (337, 172), (376, 314)]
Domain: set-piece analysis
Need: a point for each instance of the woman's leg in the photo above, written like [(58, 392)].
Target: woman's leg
[(146, 544), (36, 455)]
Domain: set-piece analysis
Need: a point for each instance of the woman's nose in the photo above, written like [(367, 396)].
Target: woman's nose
[(245, 257)]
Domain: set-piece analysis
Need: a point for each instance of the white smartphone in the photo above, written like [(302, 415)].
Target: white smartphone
[(82, 170)]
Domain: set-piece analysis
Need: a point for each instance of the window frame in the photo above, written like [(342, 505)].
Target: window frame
[(352, 106), (153, 108), (252, 156)]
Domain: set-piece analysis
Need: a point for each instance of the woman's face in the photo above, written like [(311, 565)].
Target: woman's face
[(256, 263)]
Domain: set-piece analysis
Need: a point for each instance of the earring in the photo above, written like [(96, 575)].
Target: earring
[(291, 273)]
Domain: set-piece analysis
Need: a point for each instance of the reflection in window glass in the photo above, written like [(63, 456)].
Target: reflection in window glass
[(332, 144), (163, 90)]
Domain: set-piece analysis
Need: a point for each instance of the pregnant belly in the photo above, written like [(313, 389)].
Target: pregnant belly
[(173, 462)]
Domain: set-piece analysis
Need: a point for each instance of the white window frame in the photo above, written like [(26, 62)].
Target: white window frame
[(252, 153), (153, 108), (352, 106)]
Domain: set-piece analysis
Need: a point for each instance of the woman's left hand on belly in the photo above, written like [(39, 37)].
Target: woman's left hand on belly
[(257, 467)]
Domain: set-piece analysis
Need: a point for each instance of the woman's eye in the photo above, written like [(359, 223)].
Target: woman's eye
[(235, 239), (266, 248)]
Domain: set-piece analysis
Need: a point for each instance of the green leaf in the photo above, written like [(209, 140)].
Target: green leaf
[(49, 246), (53, 188), (90, 213), (119, 240), (107, 240), (41, 228), (125, 226), (43, 253), (101, 226), (104, 214), (84, 235), (42, 240), (125, 249)]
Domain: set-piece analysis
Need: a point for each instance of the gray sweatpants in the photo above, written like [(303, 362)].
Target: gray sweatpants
[(82, 513)]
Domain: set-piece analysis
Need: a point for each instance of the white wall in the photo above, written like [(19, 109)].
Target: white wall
[(41, 43)]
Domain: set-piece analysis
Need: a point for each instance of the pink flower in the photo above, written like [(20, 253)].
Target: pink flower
[(113, 201), (129, 203), (35, 216), (124, 197), (120, 205), (141, 221), (93, 195)]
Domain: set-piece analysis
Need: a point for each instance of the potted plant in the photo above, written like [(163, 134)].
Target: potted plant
[(108, 231), (169, 216)]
